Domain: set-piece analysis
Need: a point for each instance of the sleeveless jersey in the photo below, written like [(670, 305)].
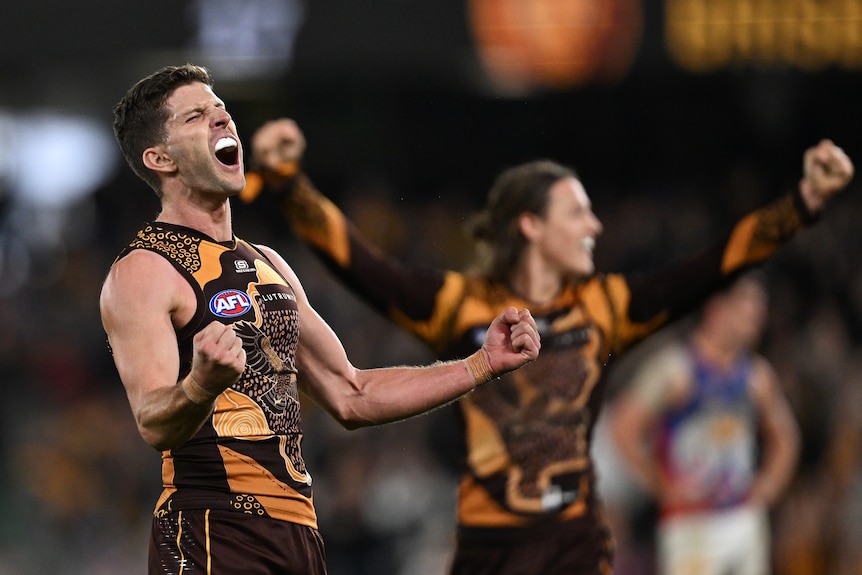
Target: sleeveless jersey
[(708, 444), (246, 457)]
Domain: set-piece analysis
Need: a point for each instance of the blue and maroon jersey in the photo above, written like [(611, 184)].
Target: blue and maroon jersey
[(708, 445)]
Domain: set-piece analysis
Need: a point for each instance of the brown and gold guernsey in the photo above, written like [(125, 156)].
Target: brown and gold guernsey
[(526, 437), (247, 456)]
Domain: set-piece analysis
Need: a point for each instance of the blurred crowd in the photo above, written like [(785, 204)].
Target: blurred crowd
[(79, 484)]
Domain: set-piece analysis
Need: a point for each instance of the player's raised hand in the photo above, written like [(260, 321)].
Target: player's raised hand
[(826, 171), (275, 143), (276, 149)]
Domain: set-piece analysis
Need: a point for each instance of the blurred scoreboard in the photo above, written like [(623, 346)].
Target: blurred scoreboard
[(530, 44), (708, 35)]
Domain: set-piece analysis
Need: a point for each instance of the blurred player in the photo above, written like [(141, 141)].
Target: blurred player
[(527, 496), (691, 426)]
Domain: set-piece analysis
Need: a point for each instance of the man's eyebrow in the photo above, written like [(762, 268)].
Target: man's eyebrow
[(187, 111), (193, 108)]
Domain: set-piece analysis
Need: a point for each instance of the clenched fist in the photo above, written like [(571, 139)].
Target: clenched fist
[(826, 171), (276, 143), (218, 360)]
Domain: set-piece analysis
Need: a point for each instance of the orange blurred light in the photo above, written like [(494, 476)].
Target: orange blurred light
[(526, 44)]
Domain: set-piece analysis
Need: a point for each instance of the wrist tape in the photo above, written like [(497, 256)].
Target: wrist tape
[(196, 393), (479, 368)]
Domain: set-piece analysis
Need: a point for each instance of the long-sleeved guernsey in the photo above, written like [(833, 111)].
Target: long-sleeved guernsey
[(526, 437), (246, 457)]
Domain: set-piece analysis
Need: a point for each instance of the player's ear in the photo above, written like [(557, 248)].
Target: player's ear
[(530, 225), (157, 159)]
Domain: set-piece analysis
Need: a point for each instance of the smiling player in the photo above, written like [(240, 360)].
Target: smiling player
[(527, 496)]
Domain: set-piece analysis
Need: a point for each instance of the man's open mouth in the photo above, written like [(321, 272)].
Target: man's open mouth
[(227, 151)]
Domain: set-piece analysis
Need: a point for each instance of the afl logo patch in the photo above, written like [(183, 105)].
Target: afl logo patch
[(230, 303)]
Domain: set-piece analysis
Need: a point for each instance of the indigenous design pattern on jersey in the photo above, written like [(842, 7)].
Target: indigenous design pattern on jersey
[(527, 433), (247, 457)]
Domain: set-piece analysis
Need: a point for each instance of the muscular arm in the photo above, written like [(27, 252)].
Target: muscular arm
[(361, 397), (140, 324), (780, 436)]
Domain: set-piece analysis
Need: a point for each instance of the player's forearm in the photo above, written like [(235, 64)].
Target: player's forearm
[(391, 394), (758, 235), (628, 437), (405, 294), (644, 471), (168, 417), (316, 220), (775, 473), (679, 289)]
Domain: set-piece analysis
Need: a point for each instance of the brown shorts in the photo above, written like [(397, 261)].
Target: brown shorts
[(218, 542), (565, 548)]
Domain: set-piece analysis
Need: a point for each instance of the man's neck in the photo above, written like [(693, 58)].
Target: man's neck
[(719, 353), (212, 219), (535, 283)]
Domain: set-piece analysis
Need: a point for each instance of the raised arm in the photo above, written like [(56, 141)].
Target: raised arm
[(361, 397), (826, 170), (140, 323), (645, 302), (408, 295)]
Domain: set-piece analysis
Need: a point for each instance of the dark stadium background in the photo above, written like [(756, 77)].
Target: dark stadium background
[(406, 131)]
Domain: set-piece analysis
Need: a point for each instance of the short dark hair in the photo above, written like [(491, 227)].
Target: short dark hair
[(140, 116), (520, 189)]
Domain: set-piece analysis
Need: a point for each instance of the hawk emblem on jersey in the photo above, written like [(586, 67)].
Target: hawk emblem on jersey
[(269, 378), (535, 447)]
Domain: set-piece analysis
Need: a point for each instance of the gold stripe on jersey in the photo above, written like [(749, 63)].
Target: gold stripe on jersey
[(267, 275), (245, 475), (210, 267), (436, 329), (488, 454), (167, 481), (475, 503), (607, 298), (759, 234), (320, 223)]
